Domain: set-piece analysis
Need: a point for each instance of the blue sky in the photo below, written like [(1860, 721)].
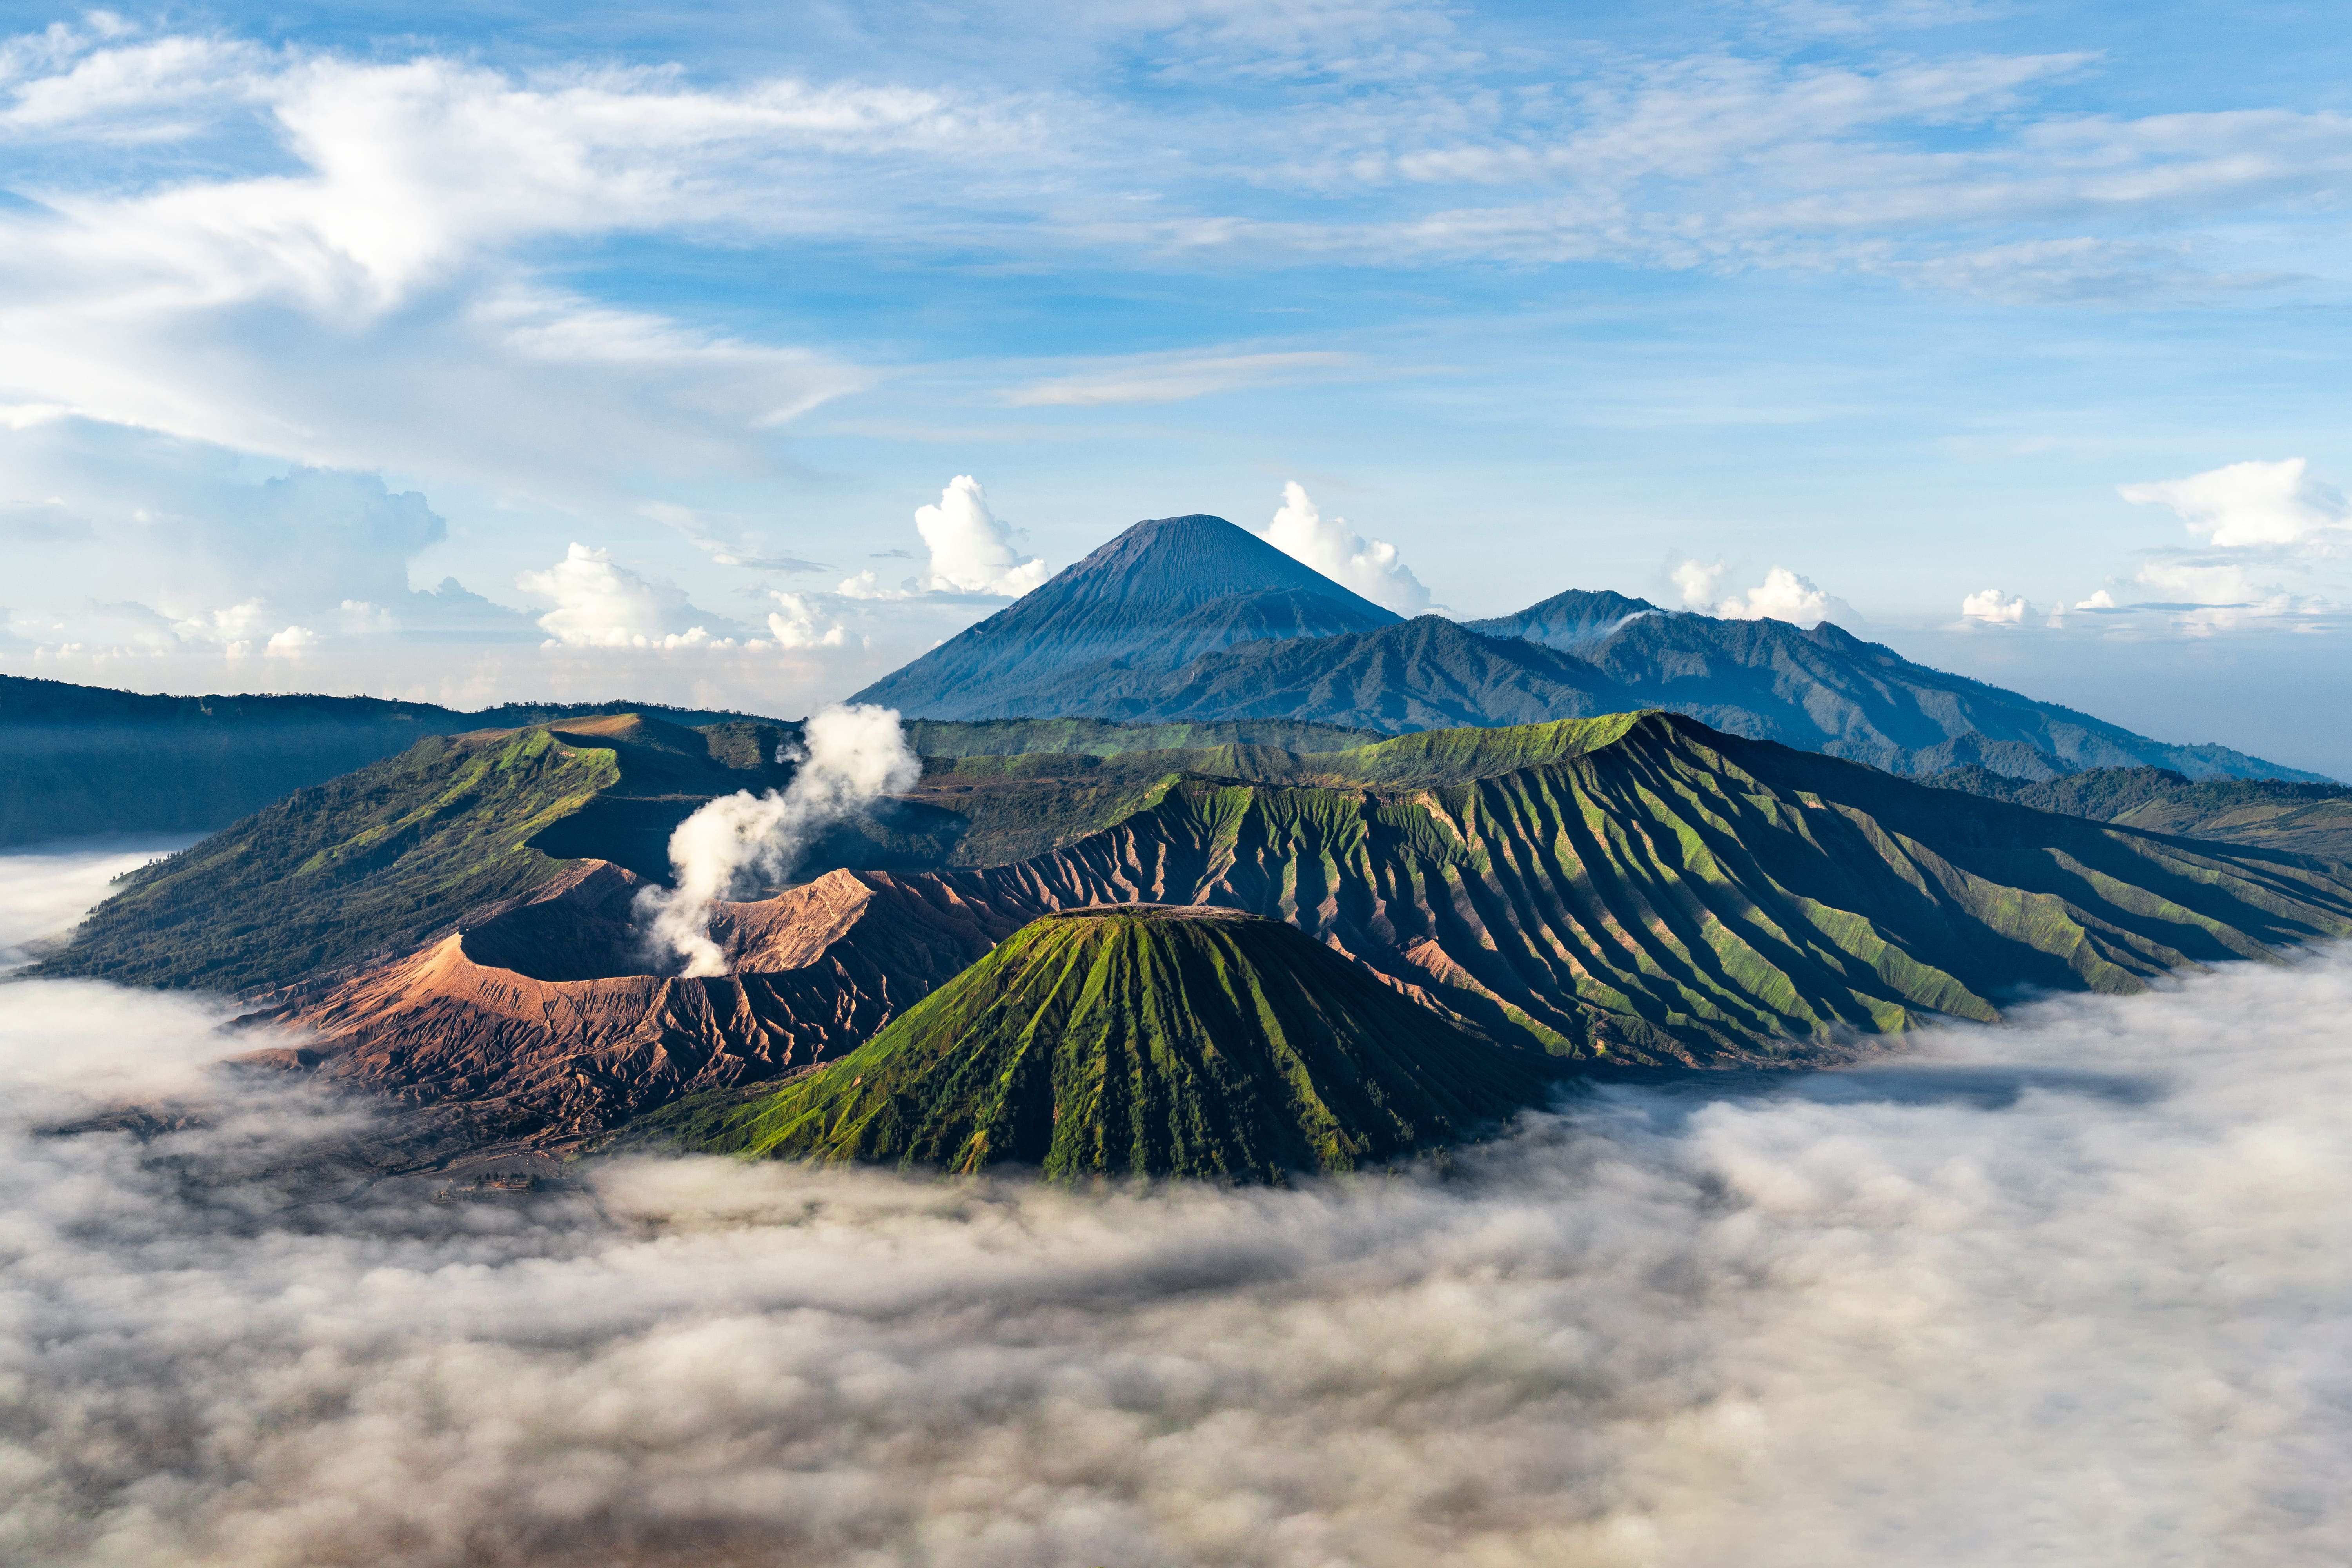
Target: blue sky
[(652, 331)]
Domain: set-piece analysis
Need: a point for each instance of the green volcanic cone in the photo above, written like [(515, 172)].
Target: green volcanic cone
[(1150, 1040)]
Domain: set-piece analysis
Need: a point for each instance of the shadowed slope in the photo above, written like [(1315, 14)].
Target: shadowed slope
[(2305, 818), (1150, 1041), (85, 759)]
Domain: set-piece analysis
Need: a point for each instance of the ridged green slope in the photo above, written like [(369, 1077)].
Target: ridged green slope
[(1026, 804), (1678, 894), (1148, 1041)]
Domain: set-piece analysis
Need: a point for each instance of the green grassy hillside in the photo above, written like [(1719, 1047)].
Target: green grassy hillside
[(1149, 1042), (1017, 807), (1678, 894), (367, 865), (1101, 738)]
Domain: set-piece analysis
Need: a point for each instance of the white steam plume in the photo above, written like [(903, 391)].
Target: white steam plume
[(849, 758)]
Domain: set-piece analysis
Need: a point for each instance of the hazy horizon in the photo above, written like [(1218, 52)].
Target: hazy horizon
[(734, 358)]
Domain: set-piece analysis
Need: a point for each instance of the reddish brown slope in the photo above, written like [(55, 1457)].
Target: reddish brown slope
[(535, 1017)]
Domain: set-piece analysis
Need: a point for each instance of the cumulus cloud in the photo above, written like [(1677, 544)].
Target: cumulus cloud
[(601, 603), (187, 532), (1783, 596), (2069, 1291), (847, 759), (1696, 581), (1369, 566), (2264, 532), (2254, 504), (1992, 607), (970, 550), (797, 623)]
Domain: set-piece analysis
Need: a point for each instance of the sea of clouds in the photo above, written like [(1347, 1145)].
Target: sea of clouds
[(2076, 1292)]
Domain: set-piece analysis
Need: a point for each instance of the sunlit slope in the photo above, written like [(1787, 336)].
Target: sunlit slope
[(1020, 805), (1150, 1041), (1675, 893), (362, 869)]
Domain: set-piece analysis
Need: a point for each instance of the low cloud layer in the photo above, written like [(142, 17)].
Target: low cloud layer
[(2069, 1292), (45, 892)]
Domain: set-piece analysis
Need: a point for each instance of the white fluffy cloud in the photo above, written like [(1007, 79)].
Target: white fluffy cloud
[(2263, 528), (1783, 596), (1369, 566), (601, 603), (357, 306), (2254, 504), (797, 623), (1992, 607), (970, 551)]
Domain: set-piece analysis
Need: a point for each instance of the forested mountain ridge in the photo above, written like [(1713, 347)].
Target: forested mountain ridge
[(2306, 818), (1192, 620), (80, 760)]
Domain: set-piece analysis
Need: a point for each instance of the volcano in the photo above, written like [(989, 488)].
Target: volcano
[(1151, 1040), (1162, 593)]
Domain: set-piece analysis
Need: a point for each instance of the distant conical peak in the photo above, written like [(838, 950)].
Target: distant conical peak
[(1190, 560)]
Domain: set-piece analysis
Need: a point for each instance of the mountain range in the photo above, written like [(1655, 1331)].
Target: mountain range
[(1216, 896), (1191, 618), (1636, 891)]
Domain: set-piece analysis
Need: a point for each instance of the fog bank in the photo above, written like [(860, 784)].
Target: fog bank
[(2077, 1292), (45, 889)]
